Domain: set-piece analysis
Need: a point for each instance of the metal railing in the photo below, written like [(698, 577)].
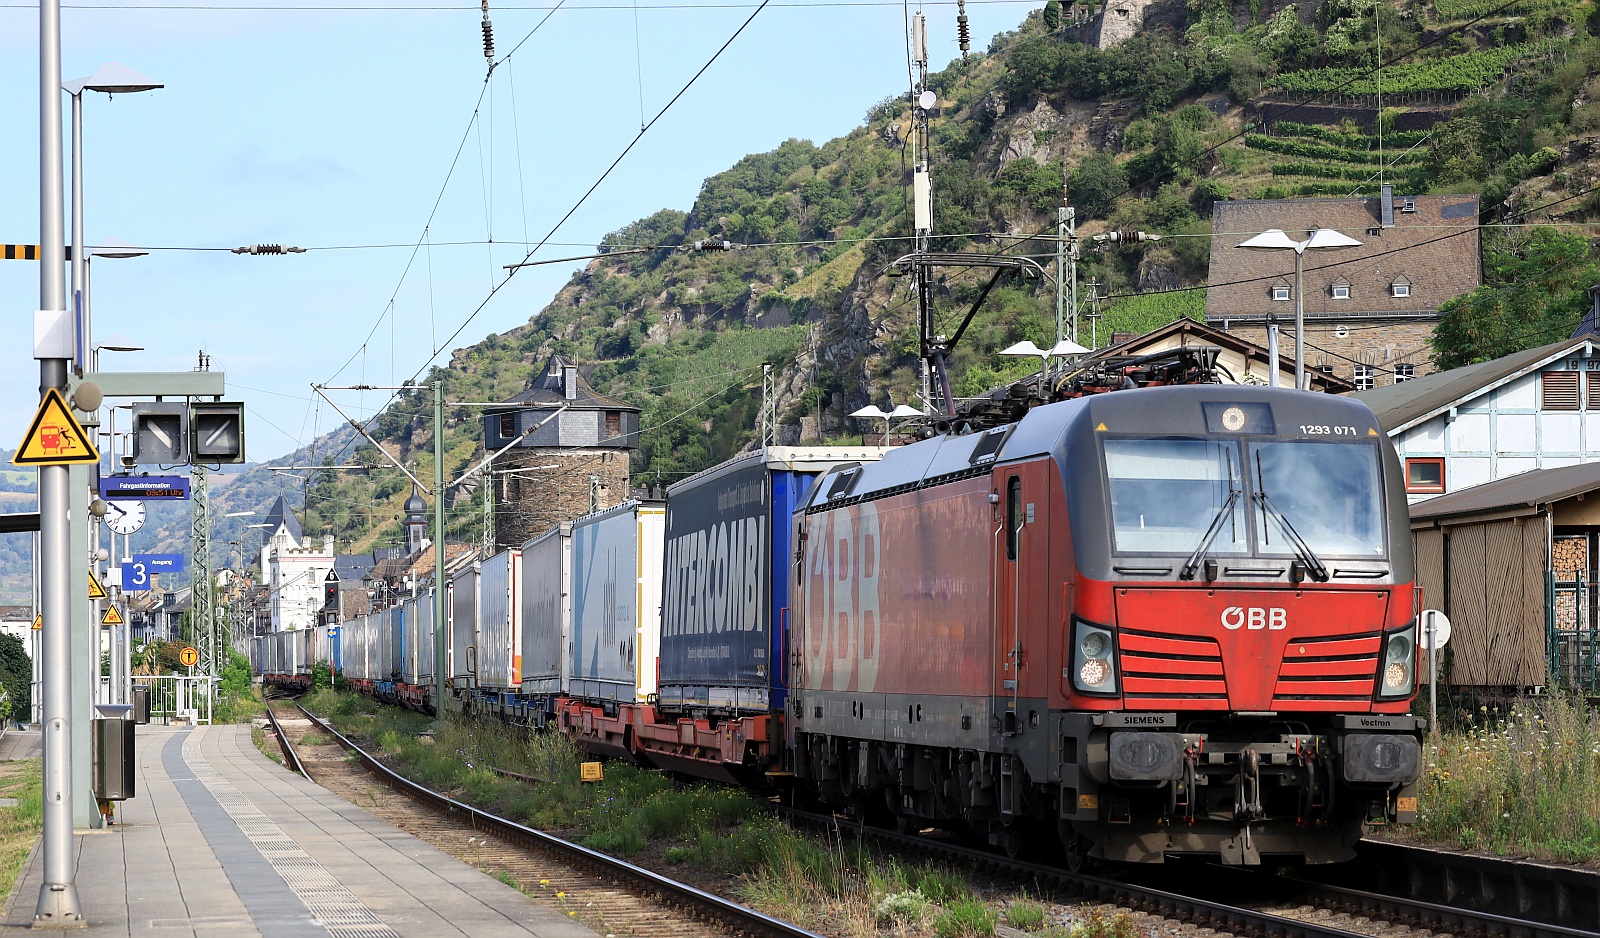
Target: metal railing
[(179, 697), (1572, 638)]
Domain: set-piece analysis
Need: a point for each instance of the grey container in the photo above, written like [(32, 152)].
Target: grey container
[(416, 666), (141, 704), (500, 621), (464, 625), (384, 651), (616, 602), (547, 611), (355, 638), (113, 759)]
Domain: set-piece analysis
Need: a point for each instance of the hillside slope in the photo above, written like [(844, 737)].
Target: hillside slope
[(1208, 100)]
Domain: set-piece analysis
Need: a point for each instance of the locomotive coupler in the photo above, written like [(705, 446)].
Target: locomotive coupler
[(1247, 791)]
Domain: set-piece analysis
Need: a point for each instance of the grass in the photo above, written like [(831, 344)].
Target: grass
[(19, 826), (1525, 781), (833, 885), (269, 748)]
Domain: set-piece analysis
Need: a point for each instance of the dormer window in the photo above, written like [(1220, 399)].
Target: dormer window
[(1401, 287), (1340, 289), (1409, 207), (1281, 292)]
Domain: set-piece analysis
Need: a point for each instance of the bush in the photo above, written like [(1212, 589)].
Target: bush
[(623, 841), (903, 908), (1025, 914)]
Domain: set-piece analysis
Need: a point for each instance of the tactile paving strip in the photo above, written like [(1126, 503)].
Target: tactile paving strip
[(336, 908)]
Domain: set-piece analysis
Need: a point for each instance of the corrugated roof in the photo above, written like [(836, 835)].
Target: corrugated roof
[(1538, 487), (1400, 405)]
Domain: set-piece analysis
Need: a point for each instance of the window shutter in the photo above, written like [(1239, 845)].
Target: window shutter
[(1560, 390), (1594, 394)]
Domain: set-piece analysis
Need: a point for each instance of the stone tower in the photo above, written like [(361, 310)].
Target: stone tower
[(577, 457)]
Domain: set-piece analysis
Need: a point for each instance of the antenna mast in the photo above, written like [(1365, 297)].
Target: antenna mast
[(923, 104)]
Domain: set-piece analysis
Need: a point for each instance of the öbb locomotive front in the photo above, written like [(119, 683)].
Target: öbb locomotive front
[(1179, 621)]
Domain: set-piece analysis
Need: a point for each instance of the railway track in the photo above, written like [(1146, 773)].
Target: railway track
[(609, 895), (1274, 905)]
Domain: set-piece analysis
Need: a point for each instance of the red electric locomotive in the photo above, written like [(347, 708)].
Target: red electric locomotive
[(1179, 621)]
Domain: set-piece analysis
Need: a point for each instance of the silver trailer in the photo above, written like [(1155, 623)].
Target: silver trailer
[(416, 667), (464, 626), (500, 621), (616, 601), (547, 611)]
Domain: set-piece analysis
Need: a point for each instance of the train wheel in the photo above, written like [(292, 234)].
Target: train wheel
[(1076, 848), (1011, 841)]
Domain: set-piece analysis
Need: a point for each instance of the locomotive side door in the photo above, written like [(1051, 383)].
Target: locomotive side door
[(1020, 573)]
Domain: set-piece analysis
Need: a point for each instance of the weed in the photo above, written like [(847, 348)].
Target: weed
[(1523, 781), (941, 885), (624, 840), (1094, 922), (680, 854), (509, 880), (903, 908), (1025, 914), (966, 918)]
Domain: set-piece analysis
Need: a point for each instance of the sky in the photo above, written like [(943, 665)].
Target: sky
[(337, 125)]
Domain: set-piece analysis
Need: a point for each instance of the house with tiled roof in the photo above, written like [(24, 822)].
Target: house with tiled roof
[(1369, 310)]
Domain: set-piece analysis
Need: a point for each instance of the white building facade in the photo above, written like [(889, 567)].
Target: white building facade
[(295, 573), (1538, 409)]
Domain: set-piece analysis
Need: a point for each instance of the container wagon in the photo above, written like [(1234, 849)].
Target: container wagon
[(546, 612)]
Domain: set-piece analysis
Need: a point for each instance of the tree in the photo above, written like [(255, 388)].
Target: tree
[(1535, 291), (16, 674), (1052, 14), (1096, 183)]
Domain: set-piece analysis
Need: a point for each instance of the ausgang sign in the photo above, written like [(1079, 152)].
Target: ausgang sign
[(113, 488)]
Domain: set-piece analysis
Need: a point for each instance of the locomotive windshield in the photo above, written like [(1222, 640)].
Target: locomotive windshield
[(1329, 493), (1167, 493)]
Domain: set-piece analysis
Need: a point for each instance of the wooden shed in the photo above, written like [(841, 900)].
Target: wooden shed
[(1513, 564)]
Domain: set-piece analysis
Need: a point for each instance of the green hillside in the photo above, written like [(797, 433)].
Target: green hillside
[(1497, 99)]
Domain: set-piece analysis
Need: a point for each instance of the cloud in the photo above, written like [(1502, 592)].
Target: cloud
[(249, 165)]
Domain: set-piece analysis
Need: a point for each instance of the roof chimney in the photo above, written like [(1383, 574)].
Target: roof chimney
[(569, 382), (1388, 205)]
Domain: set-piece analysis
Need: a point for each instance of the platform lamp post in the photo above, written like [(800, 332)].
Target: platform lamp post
[(874, 411), (1061, 349), (1322, 239)]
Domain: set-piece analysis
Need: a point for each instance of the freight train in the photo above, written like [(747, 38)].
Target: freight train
[(1174, 622)]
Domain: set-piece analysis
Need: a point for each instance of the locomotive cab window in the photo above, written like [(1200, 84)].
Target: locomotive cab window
[(1328, 495), (1166, 492)]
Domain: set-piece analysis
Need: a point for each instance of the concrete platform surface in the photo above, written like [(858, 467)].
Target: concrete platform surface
[(21, 744), (221, 842)]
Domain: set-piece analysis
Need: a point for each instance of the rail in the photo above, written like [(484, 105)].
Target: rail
[(740, 917), (1192, 908), (289, 757)]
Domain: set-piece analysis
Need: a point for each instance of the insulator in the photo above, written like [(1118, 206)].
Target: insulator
[(963, 31), (488, 36), (713, 245)]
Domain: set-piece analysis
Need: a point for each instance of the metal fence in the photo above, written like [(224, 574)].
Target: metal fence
[(1572, 647), (176, 698)]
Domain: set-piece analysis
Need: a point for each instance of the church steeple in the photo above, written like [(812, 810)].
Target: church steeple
[(416, 523)]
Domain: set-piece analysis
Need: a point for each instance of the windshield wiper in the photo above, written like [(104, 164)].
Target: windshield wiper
[(1187, 573), (1215, 528), (1314, 564)]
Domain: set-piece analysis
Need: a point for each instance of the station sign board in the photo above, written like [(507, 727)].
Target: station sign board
[(142, 487), (136, 573)]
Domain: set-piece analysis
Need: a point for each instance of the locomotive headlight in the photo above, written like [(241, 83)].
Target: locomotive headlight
[(1094, 669), (1399, 672)]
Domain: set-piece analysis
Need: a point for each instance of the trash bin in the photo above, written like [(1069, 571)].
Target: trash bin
[(113, 757), (141, 704)]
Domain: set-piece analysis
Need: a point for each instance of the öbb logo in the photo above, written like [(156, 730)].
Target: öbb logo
[(1255, 618)]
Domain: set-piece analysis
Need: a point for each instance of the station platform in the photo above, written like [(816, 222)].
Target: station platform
[(222, 842)]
